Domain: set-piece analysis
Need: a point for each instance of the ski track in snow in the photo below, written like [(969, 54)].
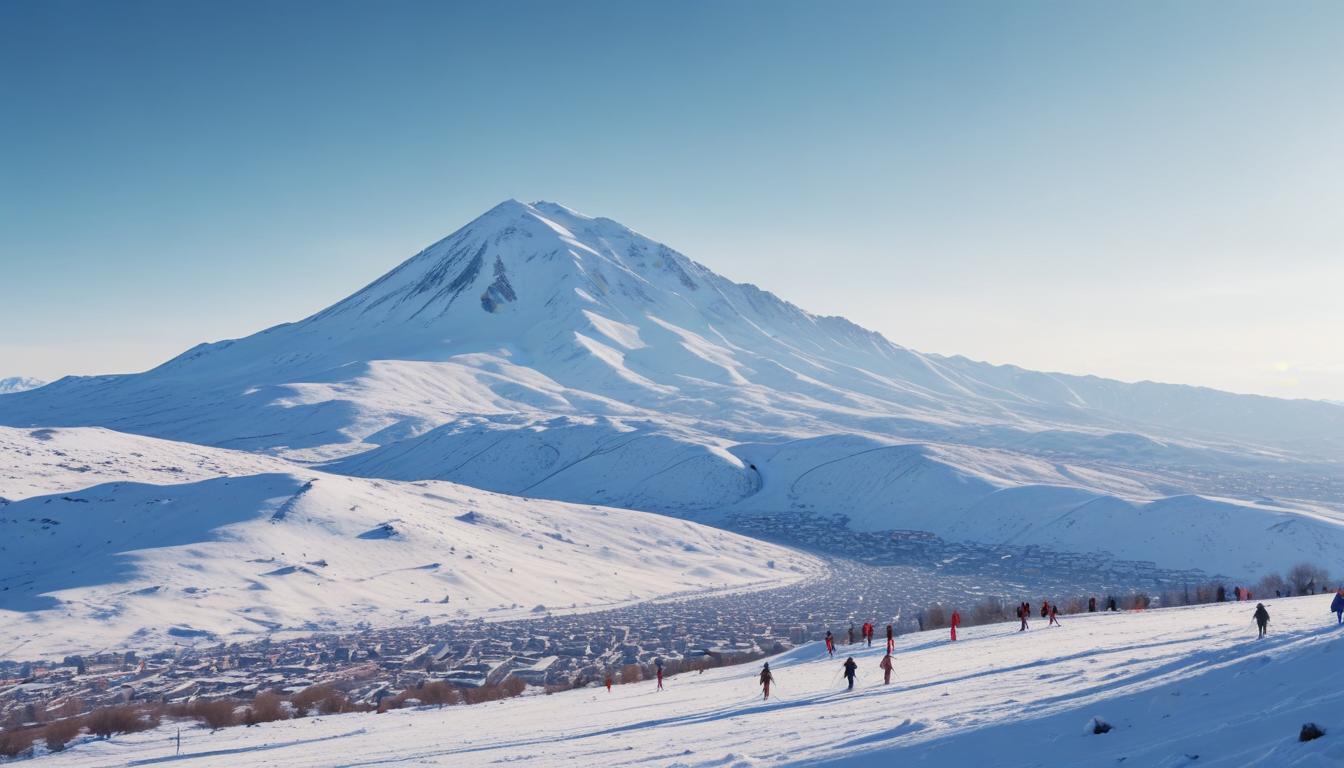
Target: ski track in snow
[(1180, 686)]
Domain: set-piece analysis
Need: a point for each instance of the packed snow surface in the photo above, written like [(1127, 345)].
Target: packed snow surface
[(541, 352), (110, 540), (1180, 687)]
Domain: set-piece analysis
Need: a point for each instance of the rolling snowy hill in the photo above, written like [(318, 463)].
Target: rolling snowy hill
[(542, 352), (1180, 687), (112, 540)]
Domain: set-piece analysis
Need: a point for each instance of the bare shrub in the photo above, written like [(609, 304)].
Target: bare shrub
[(58, 733), (935, 616), (215, 714), (436, 694), (988, 611), (631, 673), (16, 742), (513, 686), (309, 698), (1304, 576), (1271, 584), (105, 722), (266, 707)]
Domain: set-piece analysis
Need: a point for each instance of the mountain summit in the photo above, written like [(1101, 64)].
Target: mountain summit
[(540, 351)]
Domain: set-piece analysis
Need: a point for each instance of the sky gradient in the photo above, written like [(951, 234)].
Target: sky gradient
[(1133, 190)]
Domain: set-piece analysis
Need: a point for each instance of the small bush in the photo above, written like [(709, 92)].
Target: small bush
[(513, 686), (436, 694), (266, 707), (58, 733), (105, 722), (309, 698), (216, 714), (15, 743)]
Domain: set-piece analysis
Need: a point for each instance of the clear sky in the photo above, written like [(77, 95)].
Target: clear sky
[(1136, 190)]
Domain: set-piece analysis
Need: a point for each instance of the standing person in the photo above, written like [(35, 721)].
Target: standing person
[(1337, 605), (766, 679), (851, 633), (1022, 614), (1110, 604), (1054, 616), (1045, 608), (1092, 604), (891, 639), (830, 644), (956, 622), (851, 667), (658, 662), (608, 682), (868, 633), (885, 665), (1261, 618)]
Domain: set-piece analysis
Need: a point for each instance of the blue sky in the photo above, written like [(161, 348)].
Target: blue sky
[(1137, 190)]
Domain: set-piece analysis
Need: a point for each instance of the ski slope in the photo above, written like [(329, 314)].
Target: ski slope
[(119, 541), (1181, 687)]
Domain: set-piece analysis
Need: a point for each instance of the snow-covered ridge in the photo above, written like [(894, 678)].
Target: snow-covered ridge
[(112, 540), (14, 384)]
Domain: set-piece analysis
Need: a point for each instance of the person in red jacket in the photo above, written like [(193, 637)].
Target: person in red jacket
[(891, 639), (885, 665), (830, 644), (868, 633), (956, 622)]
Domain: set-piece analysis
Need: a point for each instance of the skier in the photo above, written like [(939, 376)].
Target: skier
[(851, 667), (1054, 617), (891, 639), (851, 633), (1092, 604), (1261, 617), (766, 679), (956, 622), (885, 665), (658, 662), (1022, 614), (830, 644), (868, 633), (1045, 608), (608, 682), (1337, 605)]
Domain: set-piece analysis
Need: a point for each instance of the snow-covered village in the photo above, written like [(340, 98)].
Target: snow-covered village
[(671, 385)]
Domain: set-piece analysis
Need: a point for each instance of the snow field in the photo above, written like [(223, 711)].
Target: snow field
[(1181, 686)]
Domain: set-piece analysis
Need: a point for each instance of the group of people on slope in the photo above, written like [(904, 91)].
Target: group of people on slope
[(850, 668)]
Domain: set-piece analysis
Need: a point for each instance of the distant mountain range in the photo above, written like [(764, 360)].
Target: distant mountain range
[(19, 384), (540, 352)]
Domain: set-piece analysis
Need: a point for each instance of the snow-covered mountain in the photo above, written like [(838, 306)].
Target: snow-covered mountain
[(540, 351), (19, 384), (115, 540)]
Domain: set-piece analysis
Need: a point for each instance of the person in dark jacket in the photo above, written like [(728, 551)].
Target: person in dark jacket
[(1054, 616), (1092, 604), (891, 639), (851, 633), (851, 667), (1045, 608), (1337, 605), (1022, 616), (1261, 618), (766, 679)]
